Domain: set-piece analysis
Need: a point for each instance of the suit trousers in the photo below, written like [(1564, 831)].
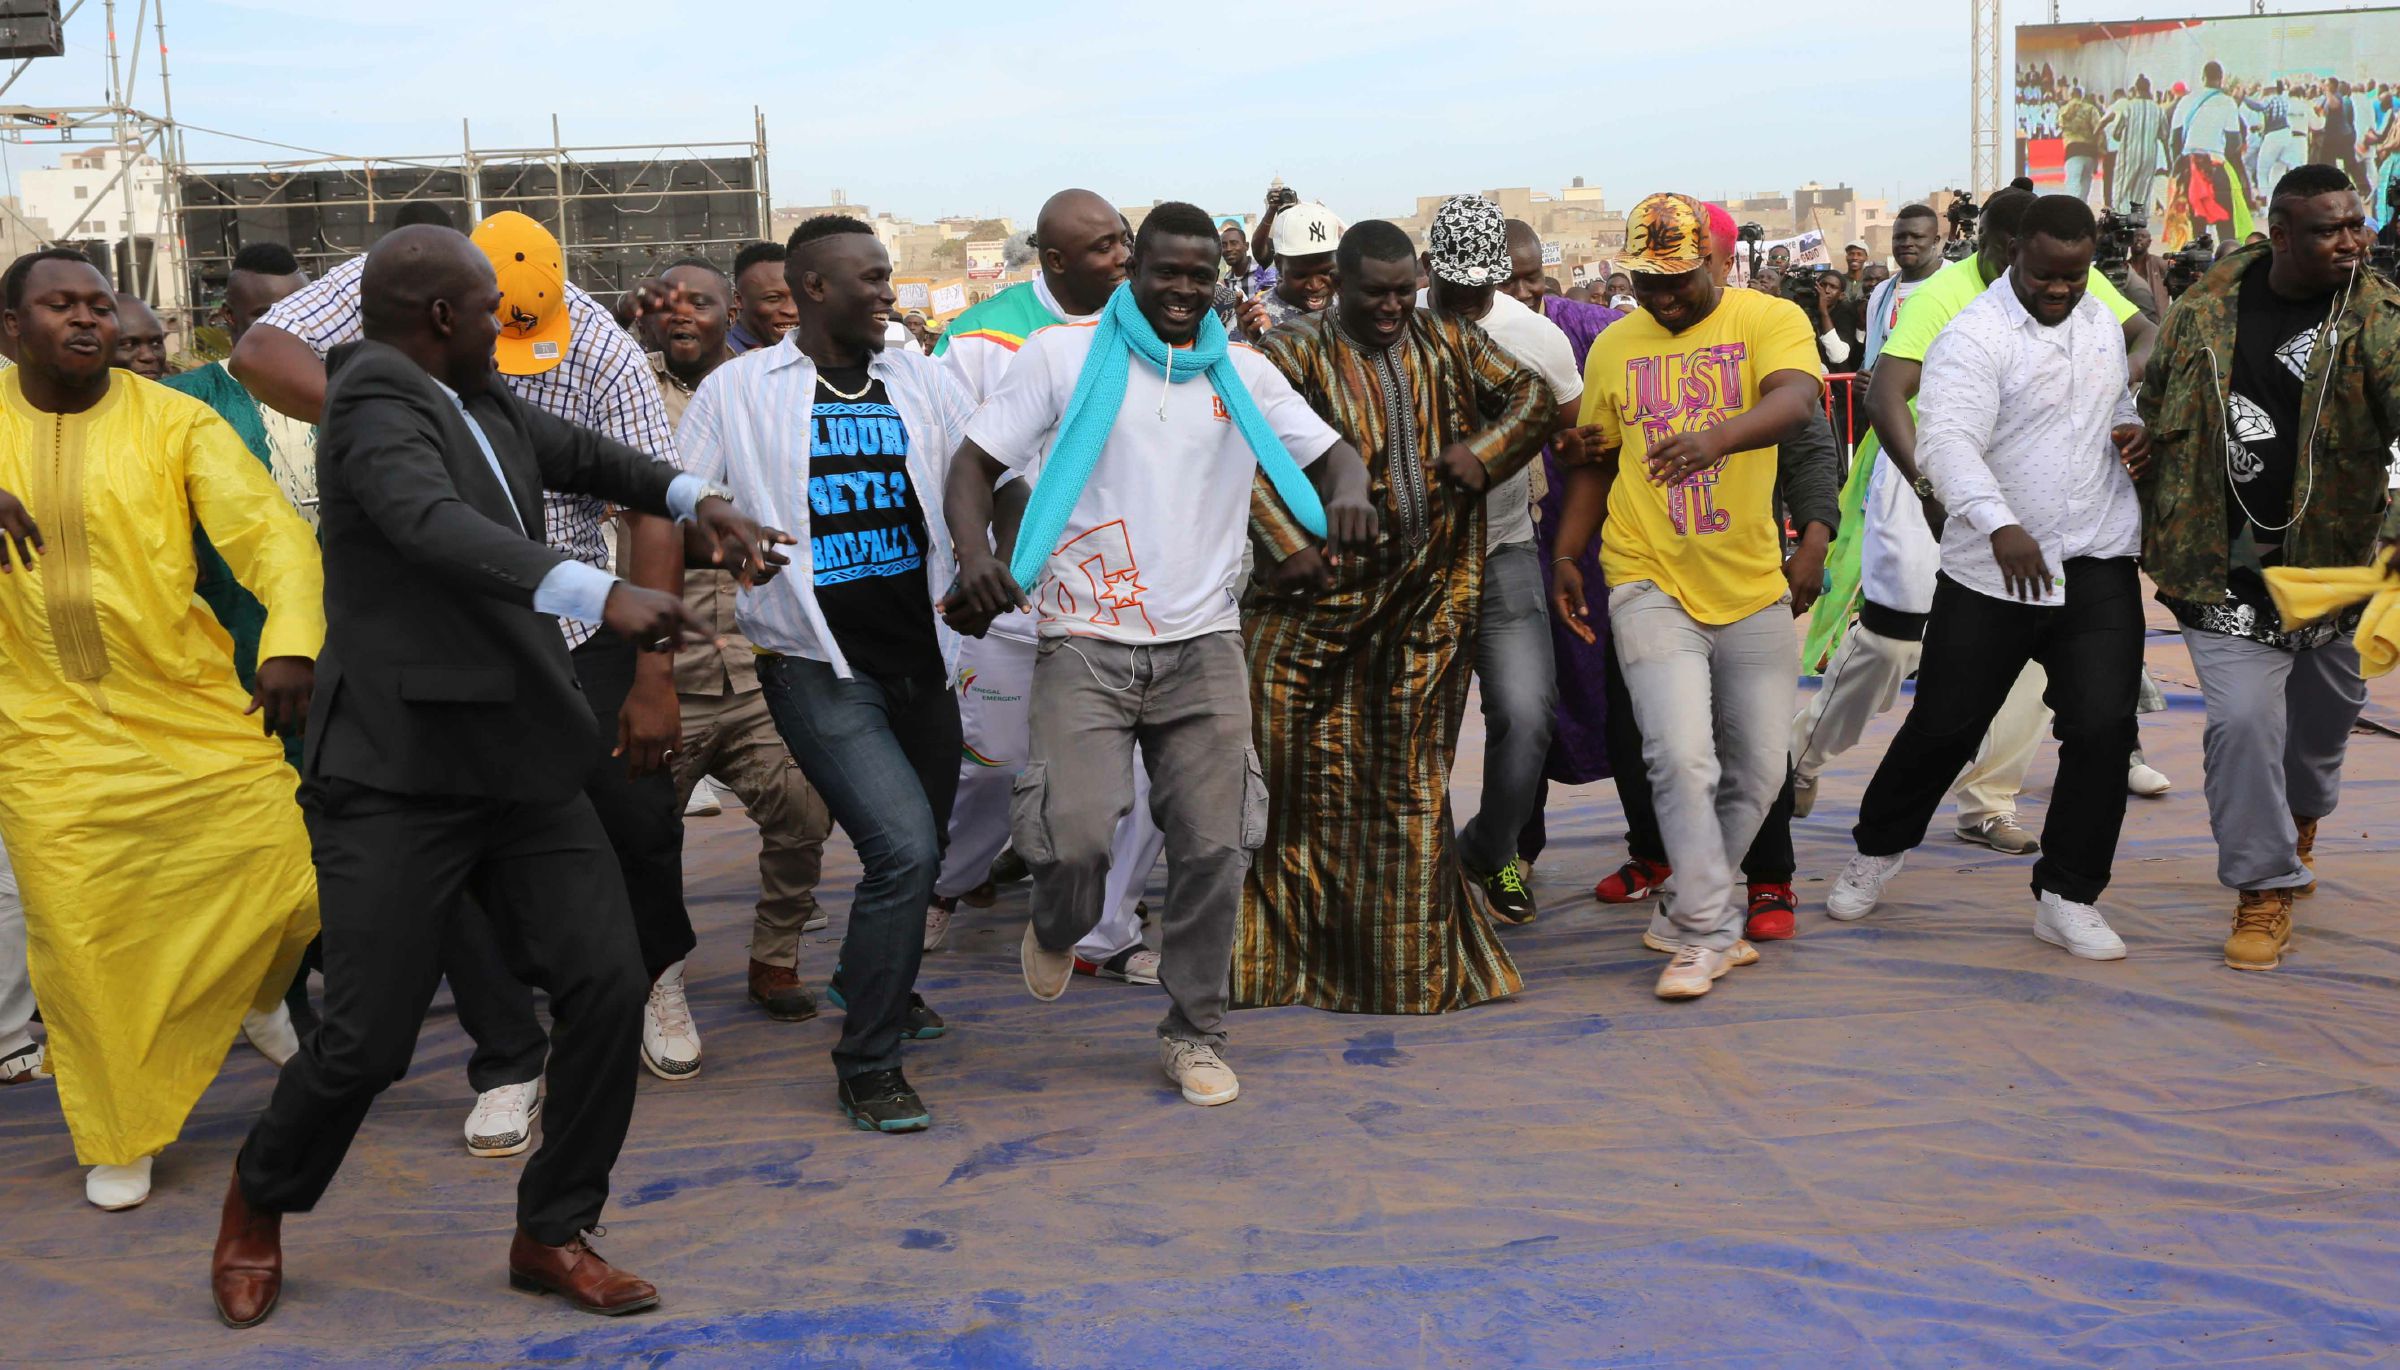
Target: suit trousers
[(644, 823), (392, 872)]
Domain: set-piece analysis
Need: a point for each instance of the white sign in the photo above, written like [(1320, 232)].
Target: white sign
[(912, 295), (1551, 256), (949, 299)]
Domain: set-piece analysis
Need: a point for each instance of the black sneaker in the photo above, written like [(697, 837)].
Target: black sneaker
[(921, 1024), (1504, 893), (1008, 868), (881, 1101)]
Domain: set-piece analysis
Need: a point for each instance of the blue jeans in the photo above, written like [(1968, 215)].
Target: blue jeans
[(884, 756), (1520, 704)]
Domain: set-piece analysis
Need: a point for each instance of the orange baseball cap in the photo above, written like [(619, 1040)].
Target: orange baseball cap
[(1666, 235), (534, 328)]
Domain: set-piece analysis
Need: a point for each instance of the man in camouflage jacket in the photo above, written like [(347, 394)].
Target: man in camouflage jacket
[(2272, 400)]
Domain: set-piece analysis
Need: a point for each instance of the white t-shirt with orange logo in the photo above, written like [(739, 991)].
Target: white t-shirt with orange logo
[(1153, 551)]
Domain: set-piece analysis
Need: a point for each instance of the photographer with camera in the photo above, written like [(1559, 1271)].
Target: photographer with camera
[(1280, 197)]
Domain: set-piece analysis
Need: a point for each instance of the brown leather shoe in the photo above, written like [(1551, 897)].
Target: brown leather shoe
[(778, 990), (576, 1273), (2306, 850), (245, 1276)]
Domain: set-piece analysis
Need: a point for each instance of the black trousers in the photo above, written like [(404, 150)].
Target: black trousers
[(1769, 860), (1975, 646), (645, 831), (393, 872)]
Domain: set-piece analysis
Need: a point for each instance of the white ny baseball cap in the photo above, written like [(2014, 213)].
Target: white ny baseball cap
[(1306, 230)]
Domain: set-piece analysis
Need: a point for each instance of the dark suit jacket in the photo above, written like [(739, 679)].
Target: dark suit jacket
[(438, 678)]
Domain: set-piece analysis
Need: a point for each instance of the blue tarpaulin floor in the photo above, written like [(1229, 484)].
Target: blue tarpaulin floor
[(1921, 1140)]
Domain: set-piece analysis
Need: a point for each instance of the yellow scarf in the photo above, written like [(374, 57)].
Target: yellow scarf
[(2304, 594)]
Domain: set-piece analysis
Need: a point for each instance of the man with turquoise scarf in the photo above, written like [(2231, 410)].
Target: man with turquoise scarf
[(1130, 553)]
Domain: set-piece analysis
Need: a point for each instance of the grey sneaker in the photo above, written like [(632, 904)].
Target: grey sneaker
[(1804, 795), (1205, 1078), (2001, 833)]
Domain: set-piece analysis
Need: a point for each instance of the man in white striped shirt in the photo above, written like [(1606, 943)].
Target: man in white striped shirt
[(568, 357), (2028, 432)]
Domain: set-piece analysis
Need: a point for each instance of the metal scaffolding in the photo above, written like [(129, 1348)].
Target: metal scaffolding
[(1986, 82), (134, 133), (618, 211)]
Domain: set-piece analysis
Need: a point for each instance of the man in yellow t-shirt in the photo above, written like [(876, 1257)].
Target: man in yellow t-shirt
[(1689, 396)]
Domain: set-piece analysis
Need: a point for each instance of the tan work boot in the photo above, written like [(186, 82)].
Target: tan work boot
[(2262, 928), (2306, 848)]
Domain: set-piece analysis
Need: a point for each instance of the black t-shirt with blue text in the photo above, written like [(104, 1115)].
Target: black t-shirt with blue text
[(866, 531)]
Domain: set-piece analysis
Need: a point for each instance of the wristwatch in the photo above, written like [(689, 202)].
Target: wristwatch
[(712, 490), (1923, 487)]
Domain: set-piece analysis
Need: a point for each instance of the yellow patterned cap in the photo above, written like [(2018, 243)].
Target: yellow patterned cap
[(1666, 235)]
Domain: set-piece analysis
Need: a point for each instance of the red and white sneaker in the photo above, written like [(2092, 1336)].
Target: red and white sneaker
[(1773, 913), (1633, 882)]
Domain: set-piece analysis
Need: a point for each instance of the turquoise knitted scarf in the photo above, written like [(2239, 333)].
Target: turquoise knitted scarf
[(1123, 333)]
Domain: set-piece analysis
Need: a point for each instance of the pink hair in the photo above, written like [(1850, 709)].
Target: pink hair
[(1721, 232)]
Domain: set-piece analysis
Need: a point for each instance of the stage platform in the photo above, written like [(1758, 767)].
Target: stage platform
[(1925, 1139)]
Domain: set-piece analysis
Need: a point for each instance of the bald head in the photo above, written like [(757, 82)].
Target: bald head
[(429, 292), (1069, 213), (1084, 248), (410, 270)]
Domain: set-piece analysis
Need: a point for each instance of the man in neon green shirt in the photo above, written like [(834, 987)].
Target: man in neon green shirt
[(1888, 578)]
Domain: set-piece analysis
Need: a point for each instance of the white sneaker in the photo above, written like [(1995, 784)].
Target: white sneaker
[(1693, 972), (1046, 972), (2077, 927), (937, 925), (1855, 895), (817, 921), (1203, 1074), (2146, 781), (1135, 966), (1739, 955), (502, 1123), (273, 1034), (115, 1187), (704, 802), (24, 1065), (670, 1039)]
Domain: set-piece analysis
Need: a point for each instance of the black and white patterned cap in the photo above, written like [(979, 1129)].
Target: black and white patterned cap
[(1469, 241)]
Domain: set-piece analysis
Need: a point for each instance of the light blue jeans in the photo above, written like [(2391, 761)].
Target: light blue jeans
[(1514, 670)]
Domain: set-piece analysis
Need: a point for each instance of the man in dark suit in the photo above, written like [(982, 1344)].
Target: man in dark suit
[(447, 747)]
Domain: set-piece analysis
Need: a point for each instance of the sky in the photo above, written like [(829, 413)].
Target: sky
[(931, 107)]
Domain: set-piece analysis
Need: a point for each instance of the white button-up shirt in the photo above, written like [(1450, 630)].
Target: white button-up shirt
[(2013, 423), (749, 428)]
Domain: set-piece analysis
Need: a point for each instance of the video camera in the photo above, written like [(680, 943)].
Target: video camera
[(2116, 235), (1962, 213), (2189, 265)]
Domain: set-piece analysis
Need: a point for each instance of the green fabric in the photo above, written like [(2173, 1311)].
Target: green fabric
[(1830, 619), (1008, 318), (239, 611)]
